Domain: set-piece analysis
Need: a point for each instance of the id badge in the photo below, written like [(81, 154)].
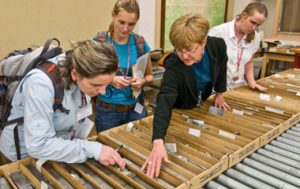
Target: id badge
[(138, 108), (84, 112), (84, 129)]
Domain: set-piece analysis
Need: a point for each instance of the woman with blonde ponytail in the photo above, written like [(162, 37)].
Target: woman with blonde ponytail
[(118, 105), (242, 42)]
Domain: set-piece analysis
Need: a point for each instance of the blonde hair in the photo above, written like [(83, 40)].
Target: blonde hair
[(130, 6), (188, 29), (249, 10), (89, 58)]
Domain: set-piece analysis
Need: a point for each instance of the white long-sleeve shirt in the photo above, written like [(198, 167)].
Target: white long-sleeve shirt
[(46, 134)]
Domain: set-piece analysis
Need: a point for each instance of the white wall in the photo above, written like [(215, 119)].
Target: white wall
[(149, 21)]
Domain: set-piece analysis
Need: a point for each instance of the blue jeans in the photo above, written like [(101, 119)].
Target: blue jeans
[(110, 118)]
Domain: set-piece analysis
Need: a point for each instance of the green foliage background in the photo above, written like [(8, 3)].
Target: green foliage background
[(212, 10)]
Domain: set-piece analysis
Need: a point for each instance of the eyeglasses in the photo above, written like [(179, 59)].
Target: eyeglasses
[(180, 52)]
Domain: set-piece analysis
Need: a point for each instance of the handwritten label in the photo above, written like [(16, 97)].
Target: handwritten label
[(238, 112), (227, 134), (277, 75), (199, 123), (171, 147), (278, 98), (274, 110), (194, 132), (290, 76), (264, 97), (44, 185), (216, 111), (129, 127)]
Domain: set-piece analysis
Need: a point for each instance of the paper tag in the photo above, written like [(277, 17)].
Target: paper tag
[(84, 129), (84, 112), (216, 111), (129, 127), (44, 185), (138, 108), (185, 116), (277, 75), (39, 163), (194, 132), (74, 176), (171, 147), (274, 110), (227, 134), (290, 76), (196, 122), (293, 90), (238, 112), (278, 98), (291, 85), (139, 70), (248, 113), (264, 97)]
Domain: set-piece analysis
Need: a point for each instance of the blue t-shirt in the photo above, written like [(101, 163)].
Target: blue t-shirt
[(124, 95), (202, 72)]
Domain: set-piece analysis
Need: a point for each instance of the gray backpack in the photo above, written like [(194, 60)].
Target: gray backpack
[(14, 68)]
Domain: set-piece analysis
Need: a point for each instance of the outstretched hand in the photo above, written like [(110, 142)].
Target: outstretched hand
[(257, 87), (158, 154), (220, 101)]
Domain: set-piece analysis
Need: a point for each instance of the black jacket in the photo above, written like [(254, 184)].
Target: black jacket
[(179, 89)]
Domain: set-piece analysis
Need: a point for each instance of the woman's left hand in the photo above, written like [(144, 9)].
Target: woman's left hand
[(257, 87), (137, 83), (220, 102)]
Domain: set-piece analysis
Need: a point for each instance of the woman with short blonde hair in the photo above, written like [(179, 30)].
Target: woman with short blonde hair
[(195, 68)]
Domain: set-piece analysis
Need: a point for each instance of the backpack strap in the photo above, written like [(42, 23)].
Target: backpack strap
[(138, 40), (17, 142), (53, 73), (47, 54), (139, 44), (101, 36)]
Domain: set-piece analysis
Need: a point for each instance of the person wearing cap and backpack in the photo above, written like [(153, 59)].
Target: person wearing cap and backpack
[(118, 106), (48, 134)]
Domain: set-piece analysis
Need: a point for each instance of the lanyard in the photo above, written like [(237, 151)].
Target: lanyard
[(239, 55), (128, 58), (239, 51), (83, 100)]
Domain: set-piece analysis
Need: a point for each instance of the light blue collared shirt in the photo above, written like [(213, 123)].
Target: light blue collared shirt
[(46, 134)]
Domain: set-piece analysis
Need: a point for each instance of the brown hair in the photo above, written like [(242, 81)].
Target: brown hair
[(188, 29), (130, 6), (249, 10), (90, 59)]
